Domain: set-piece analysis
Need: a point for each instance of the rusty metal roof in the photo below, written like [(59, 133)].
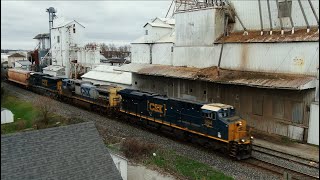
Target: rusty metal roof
[(299, 35), (254, 79)]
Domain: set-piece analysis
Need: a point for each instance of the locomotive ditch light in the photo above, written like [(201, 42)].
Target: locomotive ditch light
[(251, 137), (239, 124), (242, 140)]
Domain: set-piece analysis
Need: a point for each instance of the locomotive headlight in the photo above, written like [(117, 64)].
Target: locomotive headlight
[(242, 140), (239, 123), (251, 137)]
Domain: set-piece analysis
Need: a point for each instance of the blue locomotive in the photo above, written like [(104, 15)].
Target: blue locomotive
[(215, 121)]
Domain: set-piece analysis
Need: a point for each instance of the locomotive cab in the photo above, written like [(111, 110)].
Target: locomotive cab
[(223, 122)]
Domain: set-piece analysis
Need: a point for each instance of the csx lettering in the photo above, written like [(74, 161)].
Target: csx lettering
[(155, 107)]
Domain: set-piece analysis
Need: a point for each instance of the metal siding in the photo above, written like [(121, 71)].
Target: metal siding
[(293, 58), (227, 94), (155, 33), (295, 132), (197, 28), (297, 112), (278, 107), (313, 132), (199, 57), (140, 53), (161, 53)]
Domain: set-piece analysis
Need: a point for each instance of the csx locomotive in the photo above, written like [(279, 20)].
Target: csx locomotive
[(213, 124)]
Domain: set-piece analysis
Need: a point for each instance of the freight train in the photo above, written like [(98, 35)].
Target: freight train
[(212, 125)]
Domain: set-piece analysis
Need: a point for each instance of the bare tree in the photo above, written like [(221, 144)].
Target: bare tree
[(46, 107), (112, 47)]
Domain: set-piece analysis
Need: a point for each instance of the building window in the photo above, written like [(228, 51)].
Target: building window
[(284, 10), (204, 92), (278, 108), (257, 105), (171, 48), (191, 90), (74, 30), (135, 83), (146, 32), (58, 39)]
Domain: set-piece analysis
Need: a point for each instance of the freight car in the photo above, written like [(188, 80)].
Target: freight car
[(212, 124), (19, 76), (215, 121)]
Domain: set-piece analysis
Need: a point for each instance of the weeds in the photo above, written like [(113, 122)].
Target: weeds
[(134, 148)]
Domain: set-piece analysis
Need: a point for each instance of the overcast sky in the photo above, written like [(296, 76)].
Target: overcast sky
[(118, 22)]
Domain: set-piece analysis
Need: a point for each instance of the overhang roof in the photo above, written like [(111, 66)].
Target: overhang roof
[(300, 35), (16, 55), (162, 25), (107, 74), (41, 36), (66, 23), (247, 78)]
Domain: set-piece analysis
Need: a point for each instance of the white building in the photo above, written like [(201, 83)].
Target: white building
[(43, 41), (156, 45), (15, 57), (264, 63), (67, 48), (6, 116)]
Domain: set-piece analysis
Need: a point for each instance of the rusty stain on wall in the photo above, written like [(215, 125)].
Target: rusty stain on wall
[(255, 36)]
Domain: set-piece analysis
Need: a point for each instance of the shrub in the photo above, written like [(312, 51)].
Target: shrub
[(134, 148), (20, 125), (39, 124)]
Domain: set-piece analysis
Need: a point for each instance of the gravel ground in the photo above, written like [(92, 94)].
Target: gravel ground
[(236, 169)]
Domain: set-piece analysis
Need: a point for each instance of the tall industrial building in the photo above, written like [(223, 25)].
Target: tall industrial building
[(259, 56)]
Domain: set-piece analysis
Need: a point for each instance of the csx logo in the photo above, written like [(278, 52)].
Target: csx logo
[(155, 107)]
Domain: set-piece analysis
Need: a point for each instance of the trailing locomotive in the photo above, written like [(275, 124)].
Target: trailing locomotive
[(213, 123)]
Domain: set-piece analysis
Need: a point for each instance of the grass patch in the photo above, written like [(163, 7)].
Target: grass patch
[(22, 110), (24, 114), (184, 167)]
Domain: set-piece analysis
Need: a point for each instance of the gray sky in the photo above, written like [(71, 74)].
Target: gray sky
[(118, 22)]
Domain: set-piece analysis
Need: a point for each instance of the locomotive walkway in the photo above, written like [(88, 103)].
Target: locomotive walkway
[(296, 149)]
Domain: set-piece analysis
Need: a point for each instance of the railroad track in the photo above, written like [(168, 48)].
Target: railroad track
[(280, 170), (285, 156)]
